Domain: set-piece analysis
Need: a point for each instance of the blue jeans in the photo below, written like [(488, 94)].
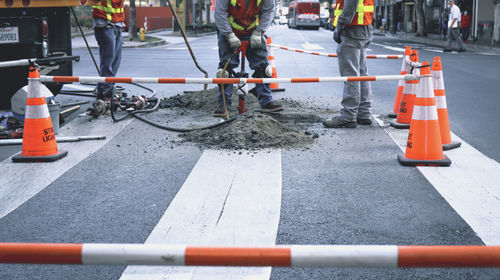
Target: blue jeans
[(257, 58), (109, 39)]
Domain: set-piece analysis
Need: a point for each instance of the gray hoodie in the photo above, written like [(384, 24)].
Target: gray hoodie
[(266, 15)]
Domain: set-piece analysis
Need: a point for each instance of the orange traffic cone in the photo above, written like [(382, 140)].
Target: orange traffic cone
[(407, 99), (39, 141), (270, 56), (401, 85), (442, 109), (424, 140)]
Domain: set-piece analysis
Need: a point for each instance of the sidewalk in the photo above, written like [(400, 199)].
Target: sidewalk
[(165, 37), (433, 39)]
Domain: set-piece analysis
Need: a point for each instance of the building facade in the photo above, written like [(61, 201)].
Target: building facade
[(400, 16)]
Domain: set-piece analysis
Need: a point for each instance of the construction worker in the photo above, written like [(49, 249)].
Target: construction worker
[(244, 20), (108, 23), (353, 32)]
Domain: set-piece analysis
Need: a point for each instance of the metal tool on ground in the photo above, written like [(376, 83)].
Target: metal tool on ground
[(63, 114), (59, 139)]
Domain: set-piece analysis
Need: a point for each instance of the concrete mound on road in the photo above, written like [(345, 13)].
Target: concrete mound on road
[(251, 131)]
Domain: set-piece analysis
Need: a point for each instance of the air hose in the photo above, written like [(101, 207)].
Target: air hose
[(134, 113)]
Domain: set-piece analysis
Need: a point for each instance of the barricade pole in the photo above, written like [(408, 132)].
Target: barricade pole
[(370, 56), (145, 80), (276, 256)]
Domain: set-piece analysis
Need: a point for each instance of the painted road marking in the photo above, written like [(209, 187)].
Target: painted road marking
[(309, 46), (389, 47), (228, 199), (22, 181), (471, 185)]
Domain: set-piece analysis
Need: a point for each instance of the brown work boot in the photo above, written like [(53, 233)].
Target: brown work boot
[(272, 107), (220, 112), (337, 122)]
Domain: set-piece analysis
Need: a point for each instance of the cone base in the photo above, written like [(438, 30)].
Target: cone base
[(277, 89), (416, 162), (392, 115), (452, 145), (20, 158), (398, 125)]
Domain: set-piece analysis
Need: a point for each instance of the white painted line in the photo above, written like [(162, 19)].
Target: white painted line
[(22, 181), (228, 199), (177, 49), (389, 48), (309, 46), (471, 185)]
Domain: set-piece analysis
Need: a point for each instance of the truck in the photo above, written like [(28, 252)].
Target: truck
[(35, 29)]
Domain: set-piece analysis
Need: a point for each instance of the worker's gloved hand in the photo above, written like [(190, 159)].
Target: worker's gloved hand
[(337, 33), (234, 42), (256, 39)]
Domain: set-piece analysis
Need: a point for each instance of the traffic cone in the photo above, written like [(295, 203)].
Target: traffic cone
[(270, 56), (424, 145), (39, 141), (442, 109), (401, 85), (407, 99)]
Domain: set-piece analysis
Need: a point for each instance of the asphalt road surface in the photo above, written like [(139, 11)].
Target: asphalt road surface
[(142, 185)]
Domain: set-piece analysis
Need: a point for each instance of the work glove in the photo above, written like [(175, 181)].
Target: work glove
[(256, 39), (234, 42), (337, 33)]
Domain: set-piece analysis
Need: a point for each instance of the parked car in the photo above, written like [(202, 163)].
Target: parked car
[(283, 20)]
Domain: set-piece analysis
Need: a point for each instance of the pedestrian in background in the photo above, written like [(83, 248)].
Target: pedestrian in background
[(353, 33), (108, 20), (444, 22), (244, 20), (465, 23), (453, 27)]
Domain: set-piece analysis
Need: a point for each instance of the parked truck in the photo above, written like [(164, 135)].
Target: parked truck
[(39, 29)]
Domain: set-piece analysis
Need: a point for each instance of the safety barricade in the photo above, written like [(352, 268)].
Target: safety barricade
[(88, 79), (371, 56), (284, 256)]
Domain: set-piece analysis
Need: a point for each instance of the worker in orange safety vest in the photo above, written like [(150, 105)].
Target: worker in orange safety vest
[(244, 20), (108, 23), (353, 33)]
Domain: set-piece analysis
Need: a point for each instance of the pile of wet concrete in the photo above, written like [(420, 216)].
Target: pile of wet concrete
[(252, 130)]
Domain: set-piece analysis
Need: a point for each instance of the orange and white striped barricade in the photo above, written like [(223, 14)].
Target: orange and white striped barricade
[(148, 80), (401, 86), (442, 108), (369, 56), (39, 140), (407, 99), (424, 145), (275, 256)]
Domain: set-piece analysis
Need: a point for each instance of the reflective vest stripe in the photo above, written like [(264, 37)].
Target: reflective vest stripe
[(360, 11), (109, 10)]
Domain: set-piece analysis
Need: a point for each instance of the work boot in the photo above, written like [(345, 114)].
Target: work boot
[(447, 50), (364, 121), (337, 122), (272, 107), (461, 50), (101, 95), (220, 112)]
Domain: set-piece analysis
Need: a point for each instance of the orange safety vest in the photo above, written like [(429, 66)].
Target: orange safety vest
[(363, 16), (111, 10), (244, 20)]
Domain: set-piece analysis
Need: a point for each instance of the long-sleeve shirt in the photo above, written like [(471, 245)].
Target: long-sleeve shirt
[(266, 15), (362, 32)]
